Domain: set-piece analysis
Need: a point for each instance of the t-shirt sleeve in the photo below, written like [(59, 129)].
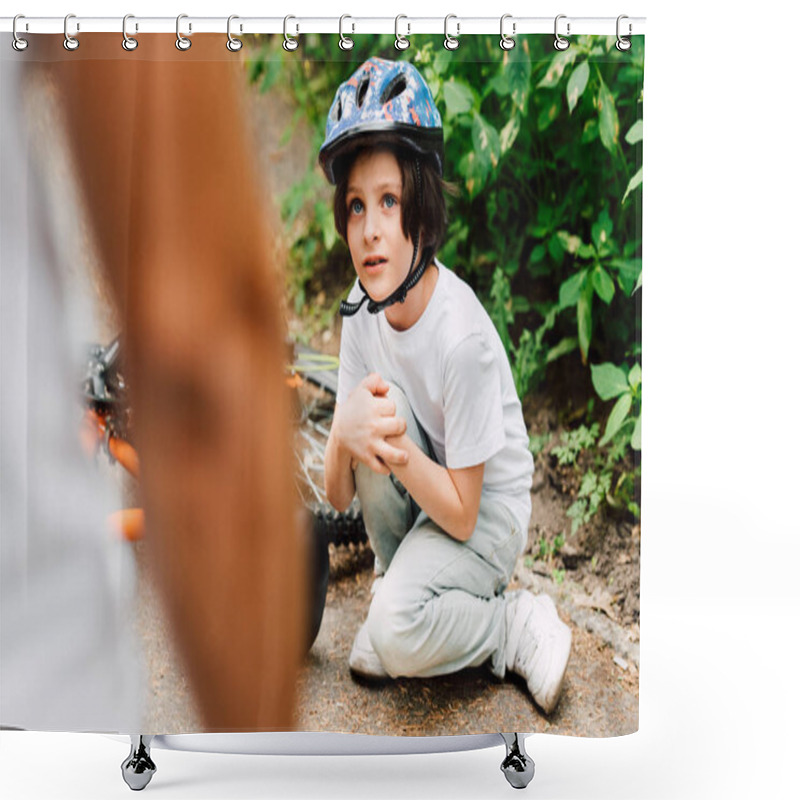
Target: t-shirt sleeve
[(352, 368), (473, 405)]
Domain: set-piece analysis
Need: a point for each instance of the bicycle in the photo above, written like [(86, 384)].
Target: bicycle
[(109, 425)]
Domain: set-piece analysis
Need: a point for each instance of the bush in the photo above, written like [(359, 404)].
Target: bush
[(547, 149)]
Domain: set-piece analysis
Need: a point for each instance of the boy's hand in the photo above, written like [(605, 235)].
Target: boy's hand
[(364, 422)]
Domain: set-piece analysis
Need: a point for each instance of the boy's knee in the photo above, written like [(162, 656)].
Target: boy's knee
[(401, 405), (402, 408), (395, 631)]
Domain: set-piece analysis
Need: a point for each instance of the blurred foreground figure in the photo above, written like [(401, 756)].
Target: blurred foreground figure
[(167, 178)]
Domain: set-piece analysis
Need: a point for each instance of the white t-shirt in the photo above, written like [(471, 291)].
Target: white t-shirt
[(452, 367)]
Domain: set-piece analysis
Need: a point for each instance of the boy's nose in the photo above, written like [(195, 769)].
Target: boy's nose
[(371, 226)]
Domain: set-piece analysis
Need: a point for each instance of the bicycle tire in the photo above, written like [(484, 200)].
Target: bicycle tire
[(339, 528)]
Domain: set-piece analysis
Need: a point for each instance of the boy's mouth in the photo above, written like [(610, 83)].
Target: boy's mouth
[(373, 261)]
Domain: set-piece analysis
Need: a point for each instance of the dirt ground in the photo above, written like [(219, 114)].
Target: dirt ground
[(600, 696), (594, 580)]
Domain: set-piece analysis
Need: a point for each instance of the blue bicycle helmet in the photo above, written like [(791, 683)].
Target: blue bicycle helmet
[(383, 96)]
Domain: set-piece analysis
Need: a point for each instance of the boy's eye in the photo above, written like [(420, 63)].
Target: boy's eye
[(390, 201), (356, 207)]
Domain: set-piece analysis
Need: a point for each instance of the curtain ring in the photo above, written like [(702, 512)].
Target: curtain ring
[(451, 42), (289, 43), (400, 41), (506, 42), (345, 42), (233, 44), (182, 43), (128, 42), (560, 42), (18, 43), (70, 42), (622, 42)]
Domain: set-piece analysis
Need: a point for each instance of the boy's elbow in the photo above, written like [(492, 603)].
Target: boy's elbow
[(338, 495), (339, 504), (338, 500), (464, 530)]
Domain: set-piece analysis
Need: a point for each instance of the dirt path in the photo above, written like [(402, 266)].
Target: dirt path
[(600, 695)]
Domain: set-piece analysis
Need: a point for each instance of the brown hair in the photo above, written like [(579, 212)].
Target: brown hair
[(432, 208)]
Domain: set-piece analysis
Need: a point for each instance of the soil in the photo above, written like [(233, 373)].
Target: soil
[(594, 580)]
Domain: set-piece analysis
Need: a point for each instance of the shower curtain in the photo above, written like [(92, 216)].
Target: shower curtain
[(166, 224)]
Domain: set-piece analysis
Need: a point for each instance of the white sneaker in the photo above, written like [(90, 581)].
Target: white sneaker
[(364, 661), (537, 645)]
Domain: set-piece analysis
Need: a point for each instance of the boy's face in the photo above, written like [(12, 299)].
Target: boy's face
[(380, 251)]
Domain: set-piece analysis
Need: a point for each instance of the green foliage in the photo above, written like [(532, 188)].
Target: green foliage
[(547, 550), (612, 382), (591, 496), (546, 147), (606, 476), (537, 443), (573, 443)]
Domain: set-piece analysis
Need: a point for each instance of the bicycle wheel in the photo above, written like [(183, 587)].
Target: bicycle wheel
[(314, 415)]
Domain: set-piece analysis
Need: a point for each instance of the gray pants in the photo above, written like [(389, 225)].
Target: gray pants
[(440, 606)]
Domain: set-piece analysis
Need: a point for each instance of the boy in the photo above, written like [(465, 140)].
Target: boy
[(428, 429)]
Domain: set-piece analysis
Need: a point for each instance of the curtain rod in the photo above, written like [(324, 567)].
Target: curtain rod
[(349, 25)]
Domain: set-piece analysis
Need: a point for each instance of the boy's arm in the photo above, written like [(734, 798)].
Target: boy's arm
[(450, 497), (340, 486)]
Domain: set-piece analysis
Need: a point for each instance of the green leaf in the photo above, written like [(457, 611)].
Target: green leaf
[(585, 320), (607, 118), (636, 438), (509, 133), (570, 290), (602, 229), (518, 68), (537, 254), (634, 135), (577, 84), (635, 377), (566, 345), (633, 183), (329, 233), (555, 248), (603, 285), (500, 311), (617, 417), (628, 271), (499, 85), (474, 171), (270, 73), (556, 69), (609, 380), (442, 60), (486, 141), (591, 131), (254, 68), (546, 116), (458, 98)]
